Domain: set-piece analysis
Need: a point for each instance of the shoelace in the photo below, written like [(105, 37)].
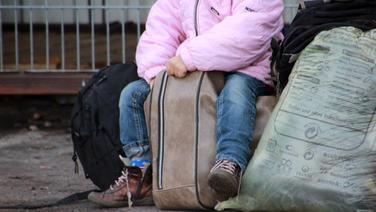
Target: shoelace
[(226, 165), (122, 178), (129, 194)]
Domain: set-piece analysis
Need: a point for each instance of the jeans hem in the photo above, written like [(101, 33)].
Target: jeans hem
[(131, 144)]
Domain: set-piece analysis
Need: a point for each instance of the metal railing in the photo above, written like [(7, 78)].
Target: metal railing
[(10, 33), (41, 27)]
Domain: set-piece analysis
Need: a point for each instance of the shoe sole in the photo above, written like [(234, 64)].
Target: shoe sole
[(223, 184), (147, 201)]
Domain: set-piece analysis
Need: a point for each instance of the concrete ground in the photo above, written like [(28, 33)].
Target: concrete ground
[(35, 156), (36, 168)]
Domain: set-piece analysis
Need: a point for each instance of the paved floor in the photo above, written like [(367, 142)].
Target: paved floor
[(35, 156), (36, 168)]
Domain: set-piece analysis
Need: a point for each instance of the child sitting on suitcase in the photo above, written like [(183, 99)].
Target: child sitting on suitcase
[(182, 36)]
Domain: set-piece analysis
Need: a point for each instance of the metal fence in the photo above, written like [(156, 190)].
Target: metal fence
[(51, 35), (27, 19)]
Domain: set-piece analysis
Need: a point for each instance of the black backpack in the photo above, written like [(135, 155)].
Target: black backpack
[(312, 18), (95, 124)]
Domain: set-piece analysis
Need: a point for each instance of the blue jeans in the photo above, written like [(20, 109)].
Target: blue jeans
[(132, 123), (236, 112)]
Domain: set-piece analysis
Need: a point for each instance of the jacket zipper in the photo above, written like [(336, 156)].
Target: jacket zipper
[(196, 18), (161, 129), (215, 11)]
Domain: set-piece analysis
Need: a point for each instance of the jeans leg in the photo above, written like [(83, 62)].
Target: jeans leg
[(236, 112), (132, 123)]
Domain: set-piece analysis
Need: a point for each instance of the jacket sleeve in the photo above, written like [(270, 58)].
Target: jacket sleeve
[(161, 38), (238, 40)]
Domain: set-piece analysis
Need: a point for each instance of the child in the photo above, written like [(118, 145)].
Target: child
[(189, 35)]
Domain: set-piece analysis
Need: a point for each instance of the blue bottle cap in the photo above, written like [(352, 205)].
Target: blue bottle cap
[(140, 163)]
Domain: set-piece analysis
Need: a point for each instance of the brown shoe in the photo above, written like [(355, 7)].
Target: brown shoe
[(133, 187), (224, 179)]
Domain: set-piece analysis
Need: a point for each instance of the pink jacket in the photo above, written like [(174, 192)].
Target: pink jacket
[(224, 35)]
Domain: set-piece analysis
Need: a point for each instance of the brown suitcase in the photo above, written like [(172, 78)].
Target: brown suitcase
[(181, 116)]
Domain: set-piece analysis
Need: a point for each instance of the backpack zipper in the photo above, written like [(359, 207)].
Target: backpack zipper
[(74, 158), (161, 129), (197, 117)]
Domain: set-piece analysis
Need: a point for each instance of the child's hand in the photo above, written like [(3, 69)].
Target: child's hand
[(176, 67), (151, 82)]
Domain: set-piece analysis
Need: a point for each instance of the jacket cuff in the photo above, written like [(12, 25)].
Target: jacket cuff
[(151, 73), (186, 57)]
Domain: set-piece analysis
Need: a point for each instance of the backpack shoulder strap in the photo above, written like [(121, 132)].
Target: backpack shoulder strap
[(73, 198)]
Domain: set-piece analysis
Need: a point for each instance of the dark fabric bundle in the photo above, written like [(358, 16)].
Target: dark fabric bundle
[(312, 18)]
